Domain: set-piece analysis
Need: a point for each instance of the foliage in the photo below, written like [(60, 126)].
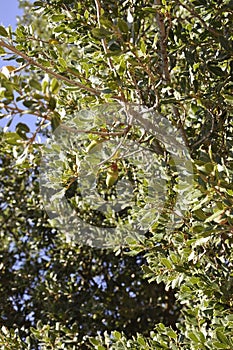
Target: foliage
[(48, 281), (174, 57)]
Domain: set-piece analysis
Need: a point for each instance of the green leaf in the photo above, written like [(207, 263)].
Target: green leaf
[(192, 336), (100, 33), (227, 44), (219, 345), (20, 32), (38, 3), (122, 26), (57, 18), (174, 258), (2, 51), (200, 214), (56, 121), (60, 28), (22, 128), (28, 103), (166, 263), (94, 341), (141, 341), (35, 84), (221, 337), (172, 334), (117, 335), (151, 9), (143, 46), (216, 70), (62, 62), (106, 22), (54, 86), (52, 103), (3, 32), (12, 138), (215, 215)]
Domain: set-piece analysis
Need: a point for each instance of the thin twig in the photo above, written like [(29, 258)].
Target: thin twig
[(144, 66), (198, 142), (130, 154), (16, 109), (114, 152), (21, 68), (100, 133), (126, 130), (32, 139)]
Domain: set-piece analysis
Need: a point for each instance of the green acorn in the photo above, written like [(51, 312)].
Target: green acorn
[(112, 175)]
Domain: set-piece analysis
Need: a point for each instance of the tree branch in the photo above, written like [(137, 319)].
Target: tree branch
[(58, 76), (163, 39), (195, 14)]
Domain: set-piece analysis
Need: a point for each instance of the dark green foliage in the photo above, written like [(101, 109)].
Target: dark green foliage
[(44, 278)]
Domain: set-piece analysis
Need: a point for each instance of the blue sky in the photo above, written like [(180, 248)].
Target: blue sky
[(9, 11)]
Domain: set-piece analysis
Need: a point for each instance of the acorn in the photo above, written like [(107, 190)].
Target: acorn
[(93, 144), (112, 175)]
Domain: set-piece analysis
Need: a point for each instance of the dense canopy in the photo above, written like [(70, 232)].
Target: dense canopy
[(163, 158)]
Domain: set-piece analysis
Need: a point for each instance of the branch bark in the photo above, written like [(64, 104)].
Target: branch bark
[(163, 39)]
